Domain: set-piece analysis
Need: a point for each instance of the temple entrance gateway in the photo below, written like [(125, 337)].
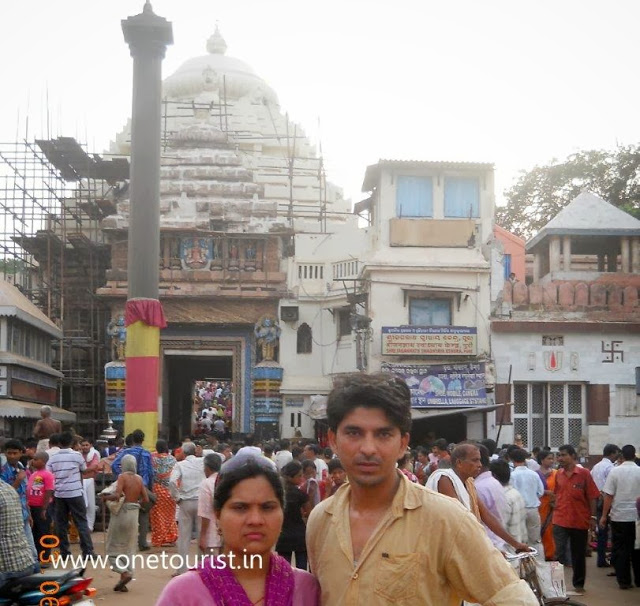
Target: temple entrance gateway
[(181, 370)]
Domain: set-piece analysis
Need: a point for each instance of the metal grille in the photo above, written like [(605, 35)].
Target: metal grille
[(537, 399), (520, 399), (556, 399), (556, 432), (537, 431), (575, 399), (575, 431), (521, 426)]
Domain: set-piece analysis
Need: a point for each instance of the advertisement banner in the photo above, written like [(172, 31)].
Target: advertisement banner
[(429, 341), (446, 386)]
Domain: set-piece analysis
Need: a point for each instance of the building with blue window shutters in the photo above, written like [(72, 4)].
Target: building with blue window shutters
[(426, 274)]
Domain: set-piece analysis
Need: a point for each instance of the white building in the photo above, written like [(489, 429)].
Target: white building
[(408, 294), (570, 341), (27, 379)]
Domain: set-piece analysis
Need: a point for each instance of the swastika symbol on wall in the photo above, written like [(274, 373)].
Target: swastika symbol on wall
[(613, 352)]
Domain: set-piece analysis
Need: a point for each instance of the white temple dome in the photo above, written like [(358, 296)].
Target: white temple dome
[(215, 72)]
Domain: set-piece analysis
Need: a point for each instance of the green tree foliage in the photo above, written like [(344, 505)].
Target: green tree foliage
[(541, 193)]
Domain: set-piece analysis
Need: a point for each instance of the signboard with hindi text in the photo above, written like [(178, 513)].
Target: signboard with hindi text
[(446, 386), (429, 341)]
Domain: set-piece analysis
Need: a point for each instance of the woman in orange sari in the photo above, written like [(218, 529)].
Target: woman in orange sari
[(547, 474), (164, 530)]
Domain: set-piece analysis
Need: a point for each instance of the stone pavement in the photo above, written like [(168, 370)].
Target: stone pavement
[(144, 590)]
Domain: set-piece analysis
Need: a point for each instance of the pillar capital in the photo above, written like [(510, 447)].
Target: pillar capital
[(147, 34)]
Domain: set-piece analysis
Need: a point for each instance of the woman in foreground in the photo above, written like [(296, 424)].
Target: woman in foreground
[(249, 504)]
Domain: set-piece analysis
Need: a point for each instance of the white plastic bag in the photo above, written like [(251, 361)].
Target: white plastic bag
[(551, 579)]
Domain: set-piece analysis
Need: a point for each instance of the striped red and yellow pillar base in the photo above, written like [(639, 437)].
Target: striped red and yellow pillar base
[(143, 318)]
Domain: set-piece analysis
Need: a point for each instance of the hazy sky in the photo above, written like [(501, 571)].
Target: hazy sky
[(514, 82)]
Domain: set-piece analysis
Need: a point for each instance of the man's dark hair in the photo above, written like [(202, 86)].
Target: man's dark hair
[(31, 443), (489, 444), (610, 449), (267, 450), (500, 471), (441, 444), (314, 448), (511, 448), (128, 441), (66, 439), (54, 440), (291, 469), (461, 452), (137, 436), (212, 461), (569, 449), (421, 450), (221, 447), (485, 457), (284, 444), (296, 451), (535, 450), (327, 453), (335, 464), (13, 444), (249, 440), (380, 390), (162, 446), (629, 452), (518, 456)]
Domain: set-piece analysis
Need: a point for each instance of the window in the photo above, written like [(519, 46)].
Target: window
[(414, 197), (461, 197), (549, 414), (304, 339), (296, 416), (506, 258), (343, 319), (430, 312)]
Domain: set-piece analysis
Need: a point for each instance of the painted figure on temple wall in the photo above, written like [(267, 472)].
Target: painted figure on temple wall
[(216, 253), (117, 331), (267, 333), (196, 252)]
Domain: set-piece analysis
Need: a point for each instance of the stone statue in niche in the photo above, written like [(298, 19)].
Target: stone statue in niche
[(117, 331), (216, 254), (267, 333), (250, 256), (234, 255)]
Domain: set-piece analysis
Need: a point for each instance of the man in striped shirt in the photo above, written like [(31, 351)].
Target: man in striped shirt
[(69, 467)]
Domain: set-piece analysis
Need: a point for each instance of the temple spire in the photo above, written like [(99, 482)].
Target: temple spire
[(216, 44)]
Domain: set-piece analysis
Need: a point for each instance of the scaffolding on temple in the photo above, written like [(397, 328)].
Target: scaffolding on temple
[(53, 195)]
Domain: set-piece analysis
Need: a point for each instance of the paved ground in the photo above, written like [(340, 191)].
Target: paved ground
[(147, 584)]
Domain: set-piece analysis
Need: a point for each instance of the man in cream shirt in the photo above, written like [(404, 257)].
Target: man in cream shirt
[(382, 539)]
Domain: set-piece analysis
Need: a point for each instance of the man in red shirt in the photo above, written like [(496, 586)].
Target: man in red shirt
[(574, 513)]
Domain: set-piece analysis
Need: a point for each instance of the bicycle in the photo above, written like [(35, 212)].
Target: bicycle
[(528, 572)]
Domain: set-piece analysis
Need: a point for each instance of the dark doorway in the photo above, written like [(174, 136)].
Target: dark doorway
[(453, 428), (181, 373)]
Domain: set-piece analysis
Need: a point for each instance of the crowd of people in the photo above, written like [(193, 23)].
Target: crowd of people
[(213, 408), (365, 514)]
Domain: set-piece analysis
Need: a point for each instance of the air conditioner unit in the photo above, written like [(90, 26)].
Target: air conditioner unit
[(289, 313)]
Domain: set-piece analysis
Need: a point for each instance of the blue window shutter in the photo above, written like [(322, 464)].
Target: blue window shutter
[(461, 197), (430, 312), (507, 265), (414, 196)]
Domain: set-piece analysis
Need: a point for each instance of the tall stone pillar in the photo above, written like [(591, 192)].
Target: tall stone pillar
[(625, 255), (566, 253), (635, 255), (147, 36), (554, 254)]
